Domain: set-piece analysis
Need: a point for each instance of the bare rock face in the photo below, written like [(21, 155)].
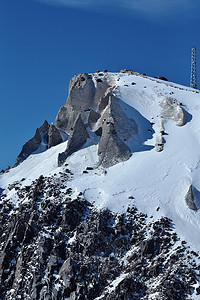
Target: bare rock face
[(189, 199), (91, 98), (84, 94), (54, 137), (111, 148), (115, 127), (81, 92), (32, 145), (65, 119), (76, 140), (93, 118), (103, 103)]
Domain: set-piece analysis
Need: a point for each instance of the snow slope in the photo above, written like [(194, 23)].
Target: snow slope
[(156, 182)]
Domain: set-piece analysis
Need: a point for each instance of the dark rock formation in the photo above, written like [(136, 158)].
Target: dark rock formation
[(93, 118), (162, 78), (189, 199), (76, 140), (53, 247), (32, 145), (54, 137)]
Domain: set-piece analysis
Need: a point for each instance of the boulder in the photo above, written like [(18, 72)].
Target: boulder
[(189, 199), (54, 136), (147, 248), (162, 78)]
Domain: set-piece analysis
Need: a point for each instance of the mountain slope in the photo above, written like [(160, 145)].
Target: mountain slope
[(157, 123)]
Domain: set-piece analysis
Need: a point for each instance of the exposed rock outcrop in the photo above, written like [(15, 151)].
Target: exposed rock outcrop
[(32, 145), (91, 94), (54, 136), (65, 119), (84, 94), (76, 140), (162, 78), (111, 148), (93, 118), (189, 199), (103, 103), (56, 247)]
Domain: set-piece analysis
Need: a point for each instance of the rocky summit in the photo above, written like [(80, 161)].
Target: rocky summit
[(104, 203)]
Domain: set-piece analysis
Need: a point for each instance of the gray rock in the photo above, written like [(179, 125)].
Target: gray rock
[(81, 92), (93, 118), (111, 149), (189, 199), (65, 119), (100, 89), (54, 137), (76, 140), (33, 144), (39, 262), (84, 94), (67, 272), (44, 130), (147, 248), (103, 103)]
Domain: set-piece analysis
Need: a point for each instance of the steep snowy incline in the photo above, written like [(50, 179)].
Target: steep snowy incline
[(155, 182)]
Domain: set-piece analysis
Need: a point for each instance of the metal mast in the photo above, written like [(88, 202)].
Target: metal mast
[(193, 78)]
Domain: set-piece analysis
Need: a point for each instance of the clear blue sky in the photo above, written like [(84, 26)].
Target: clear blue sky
[(43, 43)]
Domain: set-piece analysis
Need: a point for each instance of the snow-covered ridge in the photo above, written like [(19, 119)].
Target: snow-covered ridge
[(155, 182)]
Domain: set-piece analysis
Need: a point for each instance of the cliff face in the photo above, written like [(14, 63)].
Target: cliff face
[(91, 98)]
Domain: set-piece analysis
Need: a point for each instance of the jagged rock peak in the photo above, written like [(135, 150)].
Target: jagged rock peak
[(33, 144), (76, 140), (111, 149), (54, 136), (89, 98)]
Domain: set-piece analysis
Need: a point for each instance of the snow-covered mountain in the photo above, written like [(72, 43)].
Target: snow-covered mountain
[(105, 204)]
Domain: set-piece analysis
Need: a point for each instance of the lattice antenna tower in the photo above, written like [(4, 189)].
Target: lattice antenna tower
[(193, 78)]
